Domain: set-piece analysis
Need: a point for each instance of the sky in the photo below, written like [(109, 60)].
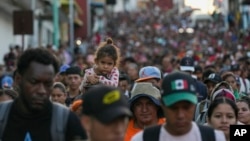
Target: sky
[(203, 5)]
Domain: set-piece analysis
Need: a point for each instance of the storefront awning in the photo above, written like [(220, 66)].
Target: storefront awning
[(77, 20), (48, 15), (78, 8)]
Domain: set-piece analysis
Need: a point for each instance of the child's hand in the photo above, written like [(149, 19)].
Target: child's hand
[(93, 79)]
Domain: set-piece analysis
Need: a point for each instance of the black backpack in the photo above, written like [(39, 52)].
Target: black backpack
[(152, 133), (59, 120)]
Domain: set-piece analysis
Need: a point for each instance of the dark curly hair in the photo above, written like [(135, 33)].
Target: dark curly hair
[(245, 99), (107, 48), (9, 92), (40, 55)]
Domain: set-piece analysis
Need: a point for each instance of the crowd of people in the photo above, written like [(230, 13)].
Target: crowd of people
[(138, 79)]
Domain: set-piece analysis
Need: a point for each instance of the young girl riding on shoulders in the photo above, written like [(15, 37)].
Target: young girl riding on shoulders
[(105, 70)]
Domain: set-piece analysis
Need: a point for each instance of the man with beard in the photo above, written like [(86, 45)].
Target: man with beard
[(32, 116)]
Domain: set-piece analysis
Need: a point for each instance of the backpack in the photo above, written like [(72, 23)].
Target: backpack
[(152, 133), (201, 111), (59, 120)]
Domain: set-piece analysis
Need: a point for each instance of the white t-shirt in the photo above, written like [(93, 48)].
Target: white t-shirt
[(192, 135)]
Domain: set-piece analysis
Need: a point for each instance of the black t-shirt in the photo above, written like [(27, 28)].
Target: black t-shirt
[(69, 100), (37, 127)]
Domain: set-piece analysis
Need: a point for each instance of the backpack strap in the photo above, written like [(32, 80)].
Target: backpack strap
[(197, 111), (202, 118), (207, 133), (152, 133), (4, 110), (59, 121)]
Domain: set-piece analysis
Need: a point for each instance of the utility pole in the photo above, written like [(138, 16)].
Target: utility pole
[(71, 23), (89, 27), (55, 23), (32, 37)]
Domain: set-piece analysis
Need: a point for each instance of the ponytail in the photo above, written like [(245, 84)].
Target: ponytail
[(109, 41)]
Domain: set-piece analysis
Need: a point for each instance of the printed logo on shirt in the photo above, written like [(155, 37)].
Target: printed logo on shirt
[(27, 137)]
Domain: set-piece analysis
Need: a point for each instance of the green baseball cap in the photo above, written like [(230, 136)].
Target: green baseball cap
[(178, 86)]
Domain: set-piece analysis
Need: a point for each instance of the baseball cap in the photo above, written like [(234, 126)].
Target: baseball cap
[(187, 64), (149, 72), (213, 77), (223, 93), (198, 69), (105, 103), (76, 104), (235, 67), (63, 68), (74, 70), (7, 82), (124, 76), (145, 89), (178, 86)]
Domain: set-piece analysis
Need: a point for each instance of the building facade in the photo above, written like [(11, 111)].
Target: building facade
[(42, 30)]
